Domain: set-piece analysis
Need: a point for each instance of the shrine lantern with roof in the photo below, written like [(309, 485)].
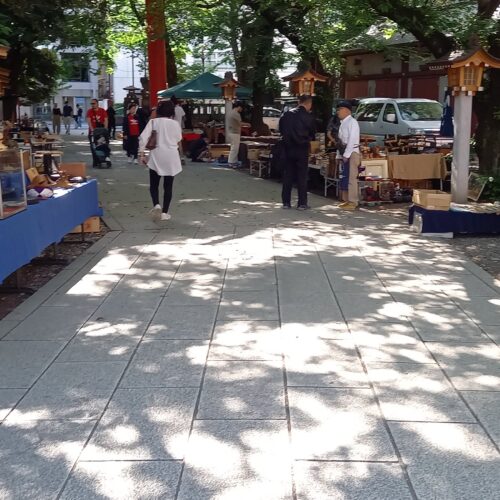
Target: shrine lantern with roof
[(465, 75), (228, 86), (302, 81)]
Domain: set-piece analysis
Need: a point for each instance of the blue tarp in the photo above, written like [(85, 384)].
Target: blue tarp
[(25, 235)]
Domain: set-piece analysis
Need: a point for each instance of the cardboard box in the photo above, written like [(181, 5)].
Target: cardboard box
[(253, 154), (91, 225), (217, 150), (314, 147), (432, 199), (76, 169)]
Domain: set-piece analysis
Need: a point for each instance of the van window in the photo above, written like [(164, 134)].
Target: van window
[(420, 111), (368, 112), (390, 109)]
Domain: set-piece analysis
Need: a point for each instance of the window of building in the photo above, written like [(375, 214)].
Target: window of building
[(77, 67)]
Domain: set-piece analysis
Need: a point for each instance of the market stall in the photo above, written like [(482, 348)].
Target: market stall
[(25, 235)]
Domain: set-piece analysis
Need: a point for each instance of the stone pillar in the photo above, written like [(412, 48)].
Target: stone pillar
[(461, 148)]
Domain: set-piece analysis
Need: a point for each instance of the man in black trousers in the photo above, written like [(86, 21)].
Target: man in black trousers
[(297, 131)]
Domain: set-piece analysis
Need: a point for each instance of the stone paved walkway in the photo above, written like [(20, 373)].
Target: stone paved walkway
[(240, 351)]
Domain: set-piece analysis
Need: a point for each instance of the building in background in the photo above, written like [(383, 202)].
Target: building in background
[(372, 73)]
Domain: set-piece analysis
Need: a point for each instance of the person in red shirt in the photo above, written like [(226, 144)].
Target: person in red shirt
[(132, 127), (96, 117)]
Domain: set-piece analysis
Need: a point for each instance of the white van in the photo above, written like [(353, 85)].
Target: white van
[(271, 117), (383, 116)]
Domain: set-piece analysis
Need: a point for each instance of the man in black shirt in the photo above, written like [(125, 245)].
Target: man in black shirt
[(297, 130), (67, 117), (111, 120)]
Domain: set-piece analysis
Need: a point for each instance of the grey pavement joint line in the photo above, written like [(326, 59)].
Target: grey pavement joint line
[(198, 398), (377, 401), (129, 362), (285, 381)]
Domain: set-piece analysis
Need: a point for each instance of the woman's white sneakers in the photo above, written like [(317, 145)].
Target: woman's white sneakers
[(155, 213), (165, 216)]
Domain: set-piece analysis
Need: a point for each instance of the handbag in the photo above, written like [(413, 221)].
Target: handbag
[(153, 139)]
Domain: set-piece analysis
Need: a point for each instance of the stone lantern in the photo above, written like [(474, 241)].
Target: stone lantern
[(302, 81), (465, 75)]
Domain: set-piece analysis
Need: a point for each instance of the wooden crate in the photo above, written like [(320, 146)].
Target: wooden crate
[(432, 199), (91, 225)]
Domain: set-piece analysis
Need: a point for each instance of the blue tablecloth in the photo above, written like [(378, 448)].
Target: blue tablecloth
[(440, 221), (25, 235)]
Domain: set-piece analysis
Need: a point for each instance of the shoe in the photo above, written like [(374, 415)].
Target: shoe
[(107, 159), (343, 204), (165, 216), (155, 212), (349, 206), (286, 206), (135, 161), (130, 159), (303, 207)]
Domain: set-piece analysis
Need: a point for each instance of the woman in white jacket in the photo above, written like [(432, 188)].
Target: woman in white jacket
[(164, 161)]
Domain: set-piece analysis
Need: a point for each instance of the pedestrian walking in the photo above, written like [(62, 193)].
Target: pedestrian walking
[(67, 117), (79, 116), (348, 155), (133, 125), (164, 160), (297, 131), (234, 133), (96, 117), (56, 119), (180, 114), (111, 120)]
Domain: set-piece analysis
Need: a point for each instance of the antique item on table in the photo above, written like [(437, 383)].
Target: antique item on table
[(12, 184)]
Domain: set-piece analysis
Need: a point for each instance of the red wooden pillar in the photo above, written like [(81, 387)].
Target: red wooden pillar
[(157, 57)]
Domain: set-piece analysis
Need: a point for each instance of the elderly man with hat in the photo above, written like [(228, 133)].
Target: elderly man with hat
[(348, 153)]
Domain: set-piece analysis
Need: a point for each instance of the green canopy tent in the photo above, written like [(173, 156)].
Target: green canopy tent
[(201, 87)]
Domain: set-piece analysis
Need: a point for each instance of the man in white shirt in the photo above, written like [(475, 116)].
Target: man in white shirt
[(179, 112), (234, 133), (348, 153)]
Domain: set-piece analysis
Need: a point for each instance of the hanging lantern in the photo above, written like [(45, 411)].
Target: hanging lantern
[(302, 82)]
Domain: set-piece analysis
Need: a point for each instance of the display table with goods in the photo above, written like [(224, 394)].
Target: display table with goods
[(25, 235), (433, 213)]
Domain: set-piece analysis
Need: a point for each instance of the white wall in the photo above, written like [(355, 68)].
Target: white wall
[(122, 75)]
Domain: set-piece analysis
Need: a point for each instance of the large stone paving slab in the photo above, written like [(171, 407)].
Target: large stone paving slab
[(70, 391), (182, 322), (243, 390), (247, 340), (22, 362), (249, 305), (350, 481), (337, 424), (244, 460), (37, 457), (8, 399), (123, 480), (167, 363), (417, 392), (486, 407), (51, 323), (144, 424), (449, 461)]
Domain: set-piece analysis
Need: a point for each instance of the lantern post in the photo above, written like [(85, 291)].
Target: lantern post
[(228, 87), (465, 74), (157, 56)]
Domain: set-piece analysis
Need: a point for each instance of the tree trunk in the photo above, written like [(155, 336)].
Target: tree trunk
[(172, 77)]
